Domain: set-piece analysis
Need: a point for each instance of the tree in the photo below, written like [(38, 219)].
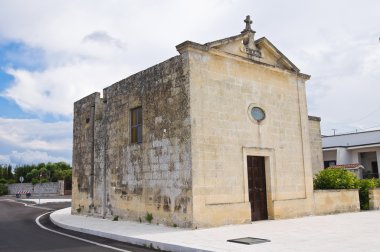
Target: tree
[(50, 172)]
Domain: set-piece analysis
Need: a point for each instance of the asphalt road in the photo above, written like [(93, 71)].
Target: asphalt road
[(19, 232)]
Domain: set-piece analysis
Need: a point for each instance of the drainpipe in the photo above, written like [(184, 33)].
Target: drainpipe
[(104, 201), (92, 171)]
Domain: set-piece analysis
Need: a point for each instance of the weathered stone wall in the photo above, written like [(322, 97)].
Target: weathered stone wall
[(84, 146), (374, 199), (222, 89), (133, 179), (315, 144), (336, 201)]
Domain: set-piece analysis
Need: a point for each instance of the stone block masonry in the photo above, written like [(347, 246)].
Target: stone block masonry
[(336, 201), (114, 177), (315, 144), (374, 199)]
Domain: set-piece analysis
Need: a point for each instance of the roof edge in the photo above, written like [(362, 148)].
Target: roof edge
[(350, 146), (226, 40), (353, 133), (264, 39), (181, 48), (314, 118)]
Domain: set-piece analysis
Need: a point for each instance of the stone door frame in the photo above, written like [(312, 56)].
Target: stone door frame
[(270, 175)]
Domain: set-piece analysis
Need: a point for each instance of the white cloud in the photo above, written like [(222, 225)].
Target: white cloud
[(89, 45), (103, 38), (5, 159), (54, 90), (345, 85), (31, 157), (33, 134)]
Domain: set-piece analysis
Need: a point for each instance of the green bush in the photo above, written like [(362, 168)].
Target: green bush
[(11, 181), (149, 217), (36, 181), (3, 189), (364, 186), (335, 179), (343, 179), (377, 183)]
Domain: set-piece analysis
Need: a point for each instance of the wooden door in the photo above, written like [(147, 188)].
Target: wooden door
[(257, 187)]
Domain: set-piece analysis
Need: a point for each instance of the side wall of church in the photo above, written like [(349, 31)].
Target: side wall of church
[(315, 144), (223, 134), (151, 178), (88, 170)]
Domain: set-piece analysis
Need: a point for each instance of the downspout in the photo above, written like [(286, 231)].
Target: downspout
[(92, 171), (104, 201)]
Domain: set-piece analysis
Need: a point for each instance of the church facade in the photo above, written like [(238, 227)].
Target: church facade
[(217, 135)]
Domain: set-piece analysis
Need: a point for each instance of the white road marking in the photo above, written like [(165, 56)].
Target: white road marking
[(77, 238), (27, 205)]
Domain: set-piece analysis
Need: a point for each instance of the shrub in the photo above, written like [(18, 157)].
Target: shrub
[(364, 186), (11, 181), (79, 208), (37, 181), (149, 217), (335, 179), (377, 183), (3, 189)]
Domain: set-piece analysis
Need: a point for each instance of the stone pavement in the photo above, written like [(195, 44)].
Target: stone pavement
[(342, 232)]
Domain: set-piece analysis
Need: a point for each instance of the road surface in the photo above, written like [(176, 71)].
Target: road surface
[(19, 232)]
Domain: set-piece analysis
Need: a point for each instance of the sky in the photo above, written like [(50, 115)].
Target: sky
[(55, 52)]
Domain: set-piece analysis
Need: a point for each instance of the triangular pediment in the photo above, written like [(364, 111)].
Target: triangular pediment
[(261, 50)]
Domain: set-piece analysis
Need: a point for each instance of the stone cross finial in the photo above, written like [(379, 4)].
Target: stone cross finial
[(248, 23), (249, 39)]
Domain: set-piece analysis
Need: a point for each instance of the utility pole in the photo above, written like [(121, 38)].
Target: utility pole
[(334, 131)]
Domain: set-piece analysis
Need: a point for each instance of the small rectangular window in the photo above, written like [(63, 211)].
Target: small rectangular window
[(329, 163), (136, 125)]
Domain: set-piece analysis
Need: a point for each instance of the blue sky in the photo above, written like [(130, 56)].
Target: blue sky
[(13, 54), (17, 55), (53, 53)]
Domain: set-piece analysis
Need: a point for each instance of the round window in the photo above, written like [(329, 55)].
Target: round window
[(258, 114)]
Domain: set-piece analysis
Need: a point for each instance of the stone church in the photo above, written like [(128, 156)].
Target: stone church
[(219, 134)]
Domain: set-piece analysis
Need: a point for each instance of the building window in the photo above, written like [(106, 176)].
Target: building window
[(136, 125), (256, 114), (329, 163)]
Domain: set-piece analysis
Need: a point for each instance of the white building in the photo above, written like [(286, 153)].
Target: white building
[(355, 148)]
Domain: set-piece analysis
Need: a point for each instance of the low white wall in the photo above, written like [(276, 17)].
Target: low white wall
[(44, 188), (14, 188), (336, 201), (374, 199)]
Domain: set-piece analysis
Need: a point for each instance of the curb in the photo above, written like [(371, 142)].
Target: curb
[(127, 239)]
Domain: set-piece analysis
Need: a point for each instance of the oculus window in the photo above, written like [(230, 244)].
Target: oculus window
[(136, 125), (258, 114)]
